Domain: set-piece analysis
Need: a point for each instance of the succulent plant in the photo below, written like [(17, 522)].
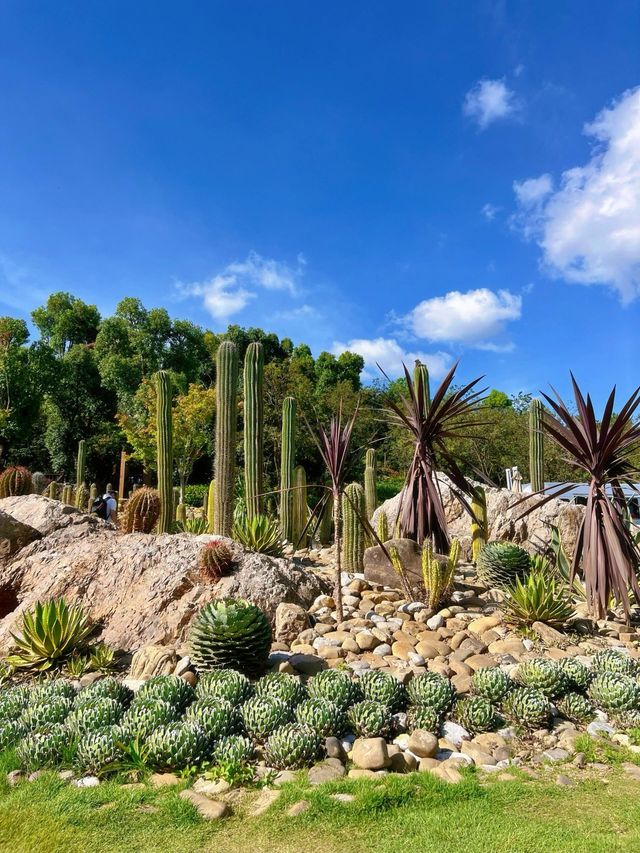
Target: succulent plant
[(164, 449), (15, 481), (43, 749), (13, 702), (287, 462), (628, 719), (231, 633), (54, 689), (433, 690), (93, 715), (614, 691), (292, 746), (322, 715), (613, 660), (51, 632), (216, 716), (491, 683), (476, 714), (336, 686), (145, 715), (142, 511), (215, 560), (97, 749), (259, 533), (105, 688), (369, 718), (353, 534), (578, 675), (46, 713), (177, 745), (543, 674), (227, 684), (281, 685), (576, 707), (170, 688), (262, 716), (500, 564), (233, 749), (424, 717), (11, 731), (383, 687), (527, 707)]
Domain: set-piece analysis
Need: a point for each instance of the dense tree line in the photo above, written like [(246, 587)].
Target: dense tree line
[(85, 376)]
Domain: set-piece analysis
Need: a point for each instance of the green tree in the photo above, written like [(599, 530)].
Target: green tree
[(66, 321)]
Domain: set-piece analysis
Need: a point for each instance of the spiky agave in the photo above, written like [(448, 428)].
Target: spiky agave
[(322, 715), (226, 684), (50, 633), (231, 633), (292, 746), (281, 685), (603, 448)]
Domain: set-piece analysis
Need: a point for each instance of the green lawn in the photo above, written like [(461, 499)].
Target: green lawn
[(400, 813)]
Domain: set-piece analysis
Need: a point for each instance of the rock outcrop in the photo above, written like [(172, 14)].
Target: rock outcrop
[(532, 532), (140, 588), (14, 535), (42, 513)]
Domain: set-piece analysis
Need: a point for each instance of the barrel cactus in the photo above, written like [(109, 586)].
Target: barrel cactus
[(142, 511), (15, 481), (231, 633), (215, 560), (292, 746), (500, 564)]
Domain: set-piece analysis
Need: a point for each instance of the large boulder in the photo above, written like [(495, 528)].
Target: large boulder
[(14, 535), (41, 513), (141, 589), (504, 507), (378, 569)]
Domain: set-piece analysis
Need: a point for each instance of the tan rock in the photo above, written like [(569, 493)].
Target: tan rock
[(291, 621), (484, 623), (476, 662), (422, 743), (367, 641), (153, 660), (480, 756), (370, 753), (510, 646), (207, 809)]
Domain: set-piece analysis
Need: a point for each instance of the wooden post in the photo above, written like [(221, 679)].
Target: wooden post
[(123, 471)]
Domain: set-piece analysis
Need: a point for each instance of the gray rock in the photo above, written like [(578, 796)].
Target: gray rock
[(14, 535), (290, 621), (599, 728), (325, 772), (86, 782), (556, 754), (370, 753), (454, 733)]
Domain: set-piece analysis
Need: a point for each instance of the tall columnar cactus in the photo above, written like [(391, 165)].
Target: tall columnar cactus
[(420, 372), (352, 533), (81, 463), (370, 485), (478, 522), (164, 445), (286, 466), (181, 513), (53, 490), (253, 428), (210, 506), (226, 426), (67, 494), (300, 509), (383, 527), (81, 497), (536, 446)]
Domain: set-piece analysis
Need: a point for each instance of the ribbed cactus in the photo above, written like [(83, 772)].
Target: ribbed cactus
[(438, 573), (286, 466), (38, 483), (383, 527), (81, 463), (479, 523), (81, 497), (370, 484), (181, 513), (300, 507), (67, 494), (52, 491), (536, 446), (210, 506), (253, 428), (226, 426), (93, 493), (164, 450), (15, 481), (352, 532), (421, 374), (142, 511)]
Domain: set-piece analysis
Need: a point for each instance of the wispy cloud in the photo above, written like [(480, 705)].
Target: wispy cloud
[(490, 211), (589, 228), (489, 101), (390, 355)]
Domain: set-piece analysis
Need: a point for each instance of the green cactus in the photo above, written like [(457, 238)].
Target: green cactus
[(226, 425), (536, 446), (353, 534), (421, 374), (67, 494), (81, 497), (438, 574), (383, 527), (478, 522), (81, 463), (53, 490), (286, 466), (253, 428), (181, 513), (142, 511), (210, 506), (15, 481), (93, 493), (164, 444), (300, 509), (370, 477)]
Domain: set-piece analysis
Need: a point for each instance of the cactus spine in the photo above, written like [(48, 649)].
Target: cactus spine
[(352, 532), (81, 463), (478, 522), (288, 455), (226, 425), (536, 446), (421, 375), (164, 444), (300, 509), (210, 506), (143, 511), (253, 428), (15, 481)]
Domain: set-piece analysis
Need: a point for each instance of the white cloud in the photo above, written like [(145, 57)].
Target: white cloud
[(533, 191), (489, 101), (589, 229), (474, 318), (388, 353), (231, 290), (489, 210)]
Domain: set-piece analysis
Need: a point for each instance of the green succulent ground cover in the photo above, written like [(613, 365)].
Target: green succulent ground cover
[(399, 814)]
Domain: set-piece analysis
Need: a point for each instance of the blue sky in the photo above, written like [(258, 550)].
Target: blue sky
[(452, 179)]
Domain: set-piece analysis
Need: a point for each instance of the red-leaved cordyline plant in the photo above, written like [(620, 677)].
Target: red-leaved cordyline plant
[(605, 544), (421, 514)]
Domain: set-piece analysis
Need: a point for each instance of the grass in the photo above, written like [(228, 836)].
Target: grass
[(396, 815)]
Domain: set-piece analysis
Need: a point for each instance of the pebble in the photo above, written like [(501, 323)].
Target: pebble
[(86, 782), (599, 728), (454, 732)]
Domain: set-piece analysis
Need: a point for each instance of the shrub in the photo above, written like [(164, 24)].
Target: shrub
[(194, 495)]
